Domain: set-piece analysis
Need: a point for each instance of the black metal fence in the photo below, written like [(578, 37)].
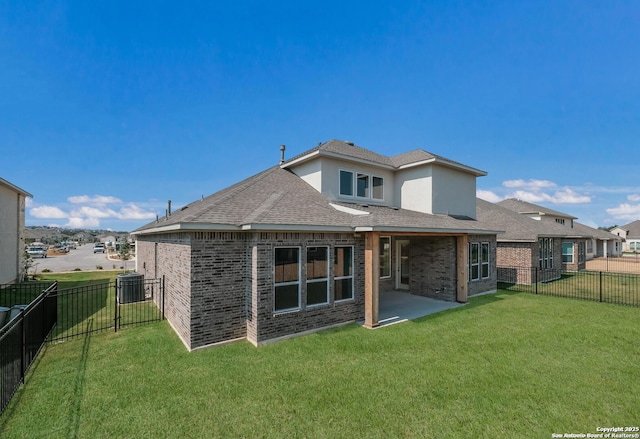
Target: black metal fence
[(130, 300), (54, 314), (599, 286), (23, 332)]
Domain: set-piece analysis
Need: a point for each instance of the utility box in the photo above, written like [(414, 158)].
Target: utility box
[(4, 315), (130, 288)]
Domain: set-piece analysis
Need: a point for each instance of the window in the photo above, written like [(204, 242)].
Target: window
[(317, 275), (545, 246), (474, 261), (567, 252), (346, 183), (286, 278), (378, 188), (343, 273), (484, 259), (363, 186), (385, 256), (560, 220), (479, 260)]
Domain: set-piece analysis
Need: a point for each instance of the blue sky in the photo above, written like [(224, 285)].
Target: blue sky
[(109, 109)]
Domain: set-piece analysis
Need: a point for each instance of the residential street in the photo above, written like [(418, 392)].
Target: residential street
[(82, 258)]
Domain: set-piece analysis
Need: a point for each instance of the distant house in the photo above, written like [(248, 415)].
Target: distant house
[(630, 233), (579, 243), (316, 241), (524, 243), (12, 225)]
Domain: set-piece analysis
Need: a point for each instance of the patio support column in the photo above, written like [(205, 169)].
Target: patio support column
[(462, 264), (371, 278)]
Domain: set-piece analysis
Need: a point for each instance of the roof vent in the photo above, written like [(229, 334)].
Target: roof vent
[(282, 148), (349, 142)]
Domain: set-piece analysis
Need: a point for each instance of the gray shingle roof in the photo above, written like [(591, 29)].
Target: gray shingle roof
[(350, 150), (633, 229), (278, 199), (525, 207), (516, 227), (590, 232)]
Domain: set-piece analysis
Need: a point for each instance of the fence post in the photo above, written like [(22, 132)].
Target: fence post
[(600, 286), (163, 297), (23, 355), (115, 312), (535, 277)]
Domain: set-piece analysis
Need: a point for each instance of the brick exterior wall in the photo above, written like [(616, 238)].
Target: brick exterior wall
[(263, 324), (518, 260), (489, 284), (219, 286), (170, 256)]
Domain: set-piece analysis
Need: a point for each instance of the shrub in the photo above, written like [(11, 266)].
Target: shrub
[(77, 269), (46, 270), (98, 267)]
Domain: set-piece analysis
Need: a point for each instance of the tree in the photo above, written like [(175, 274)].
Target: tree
[(125, 253)]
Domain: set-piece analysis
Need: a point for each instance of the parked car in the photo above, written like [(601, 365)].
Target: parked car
[(37, 252), (98, 248)]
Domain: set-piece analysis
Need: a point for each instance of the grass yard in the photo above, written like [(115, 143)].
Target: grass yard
[(507, 365)]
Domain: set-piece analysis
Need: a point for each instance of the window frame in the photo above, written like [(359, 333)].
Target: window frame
[(318, 280), (484, 263), (373, 187), (287, 283), (340, 187), (340, 278), (361, 176), (545, 253), (385, 256), (473, 264), (566, 255)]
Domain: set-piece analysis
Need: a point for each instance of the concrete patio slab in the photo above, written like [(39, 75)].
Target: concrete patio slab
[(398, 307)]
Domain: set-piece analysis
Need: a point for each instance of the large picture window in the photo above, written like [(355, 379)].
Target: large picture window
[(567, 252), (317, 275), (343, 273), (346, 183), (286, 278), (385, 256)]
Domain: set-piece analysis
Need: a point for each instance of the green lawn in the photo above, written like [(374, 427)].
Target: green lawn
[(511, 365)]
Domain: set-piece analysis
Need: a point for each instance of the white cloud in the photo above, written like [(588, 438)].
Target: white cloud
[(100, 200), (569, 196), (531, 184), (625, 211), (93, 212), (47, 212), (134, 212), (489, 196), (28, 202), (633, 197), (81, 223)]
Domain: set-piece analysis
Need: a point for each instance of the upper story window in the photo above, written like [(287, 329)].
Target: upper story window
[(366, 186), (560, 220), (346, 183)]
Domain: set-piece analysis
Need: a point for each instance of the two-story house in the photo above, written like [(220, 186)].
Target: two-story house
[(316, 241), (579, 242), (12, 223), (630, 235)]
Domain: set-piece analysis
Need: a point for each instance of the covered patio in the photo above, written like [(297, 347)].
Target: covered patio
[(399, 306)]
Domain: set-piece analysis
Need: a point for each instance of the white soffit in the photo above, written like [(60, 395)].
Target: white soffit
[(348, 210)]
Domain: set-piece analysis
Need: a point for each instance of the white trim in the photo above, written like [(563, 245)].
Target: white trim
[(348, 210), (446, 163), (296, 228), (353, 185), (351, 276), (390, 256), (399, 284), (395, 229), (302, 159), (187, 227)]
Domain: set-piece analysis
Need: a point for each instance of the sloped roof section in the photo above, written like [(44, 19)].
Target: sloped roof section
[(525, 207), (14, 188), (517, 227), (277, 199), (633, 229), (350, 151), (590, 232)]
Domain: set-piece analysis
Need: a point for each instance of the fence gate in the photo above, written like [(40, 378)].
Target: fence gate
[(129, 300)]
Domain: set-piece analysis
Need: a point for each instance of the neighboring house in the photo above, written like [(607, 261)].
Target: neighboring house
[(316, 241), (630, 233), (12, 225), (524, 243), (579, 243)]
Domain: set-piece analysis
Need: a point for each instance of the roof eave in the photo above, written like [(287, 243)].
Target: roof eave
[(182, 227), (397, 229), (335, 155), (448, 164), (295, 228)]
